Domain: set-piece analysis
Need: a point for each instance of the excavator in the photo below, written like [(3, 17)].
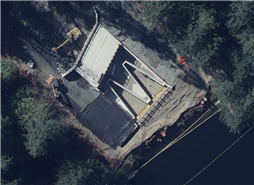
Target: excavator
[(54, 83), (74, 33)]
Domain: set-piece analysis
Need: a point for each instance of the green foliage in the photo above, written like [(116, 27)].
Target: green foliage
[(40, 120), (82, 172), (91, 171), (39, 132), (8, 72), (246, 39), (25, 103), (6, 161), (33, 146), (12, 148), (11, 141), (5, 127), (157, 11), (14, 182), (241, 16), (169, 17), (218, 37), (201, 40), (237, 105), (244, 69), (206, 20)]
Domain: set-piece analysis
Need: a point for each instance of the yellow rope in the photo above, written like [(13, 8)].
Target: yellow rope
[(218, 156), (179, 137)]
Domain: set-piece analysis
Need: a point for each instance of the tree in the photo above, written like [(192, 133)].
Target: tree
[(4, 126), (6, 182), (246, 39), (40, 120), (237, 105), (12, 150), (244, 70), (6, 162), (7, 72), (7, 76), (91, 171), (157, 12), (82, 172), (170, 18), (241, 16), (11, 140), (201, 40), (39, 132), (206, 20), (26, 103)]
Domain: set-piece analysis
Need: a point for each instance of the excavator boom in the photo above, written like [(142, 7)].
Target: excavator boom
[(67, 40), (76, 33)]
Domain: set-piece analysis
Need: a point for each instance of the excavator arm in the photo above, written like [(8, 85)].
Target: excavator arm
[(76, 33), (54, 49)]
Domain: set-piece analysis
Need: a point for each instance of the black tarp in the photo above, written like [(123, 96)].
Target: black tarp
[(104, 118)]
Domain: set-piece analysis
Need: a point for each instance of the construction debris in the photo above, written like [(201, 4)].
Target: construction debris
[(30, 64)]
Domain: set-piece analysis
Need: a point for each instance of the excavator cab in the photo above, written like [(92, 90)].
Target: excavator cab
[(74, 33), (54, 83)]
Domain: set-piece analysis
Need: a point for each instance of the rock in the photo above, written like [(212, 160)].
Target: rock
[(75, 53)]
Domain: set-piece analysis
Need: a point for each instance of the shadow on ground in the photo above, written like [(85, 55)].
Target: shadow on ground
[(120, 15), (73, 76), (191, 76)]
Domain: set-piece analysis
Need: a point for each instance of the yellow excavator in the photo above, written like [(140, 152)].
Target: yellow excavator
[(75, 33)]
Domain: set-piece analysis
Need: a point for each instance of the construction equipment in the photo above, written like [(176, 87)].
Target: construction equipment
[(54, 83), (182, 60), (74, 33)]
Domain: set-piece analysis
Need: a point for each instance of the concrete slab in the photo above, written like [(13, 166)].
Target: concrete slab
[(132, 103), (143, 96), (111, 94), (148, 84)]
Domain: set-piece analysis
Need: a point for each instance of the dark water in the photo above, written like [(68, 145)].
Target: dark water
[(185, 159)]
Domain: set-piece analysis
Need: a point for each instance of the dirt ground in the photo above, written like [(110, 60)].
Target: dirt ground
[(31, 29)]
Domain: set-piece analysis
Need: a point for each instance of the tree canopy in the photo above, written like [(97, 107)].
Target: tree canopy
[(8, 72), (219, 37), (35, 148), (35, 144)]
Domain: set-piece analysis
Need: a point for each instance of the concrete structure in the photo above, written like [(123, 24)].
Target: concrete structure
[(97, 56), (113, 69)]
